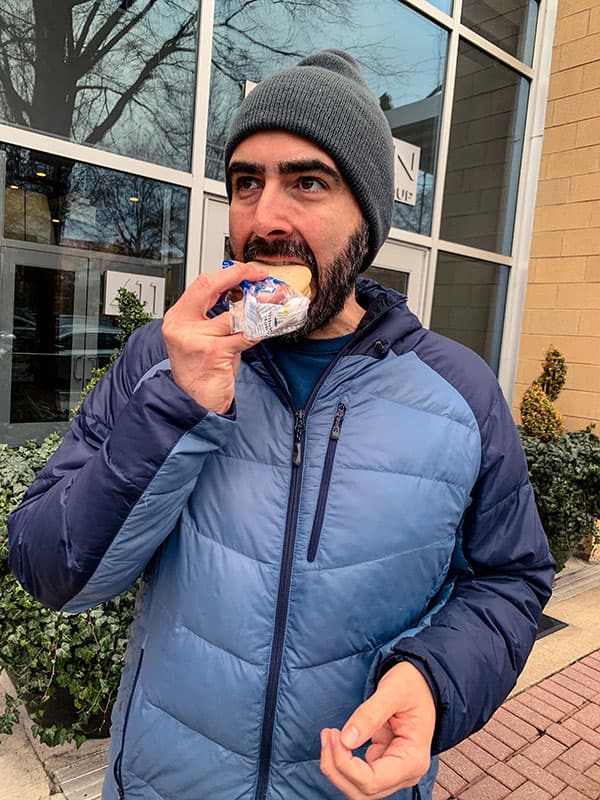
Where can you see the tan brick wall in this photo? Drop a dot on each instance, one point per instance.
(562, 305)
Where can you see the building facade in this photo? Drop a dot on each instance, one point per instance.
(562, 306)
(113, 119)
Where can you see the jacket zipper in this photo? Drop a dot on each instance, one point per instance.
(281, 612)
(117, 768)
(334, 438)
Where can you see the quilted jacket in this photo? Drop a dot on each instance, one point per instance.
(289, 556)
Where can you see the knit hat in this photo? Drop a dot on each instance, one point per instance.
(325, 99)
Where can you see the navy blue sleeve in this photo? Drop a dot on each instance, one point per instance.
(474, 648)
(102, 479)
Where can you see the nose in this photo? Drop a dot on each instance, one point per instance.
(272, 213)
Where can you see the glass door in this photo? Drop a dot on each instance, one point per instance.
(42, 359)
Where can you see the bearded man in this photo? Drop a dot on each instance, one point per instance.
(343, 566)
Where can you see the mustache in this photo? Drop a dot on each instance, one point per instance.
(258, 248)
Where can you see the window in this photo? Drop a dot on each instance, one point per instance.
(468, 303)
(484, 158)
(402, 57)
(118, 75)
(510, 25)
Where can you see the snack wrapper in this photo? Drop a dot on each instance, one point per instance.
(268, 308)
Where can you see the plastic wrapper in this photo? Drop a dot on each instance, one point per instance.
(268, 308)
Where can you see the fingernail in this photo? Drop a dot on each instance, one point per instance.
(351, 737)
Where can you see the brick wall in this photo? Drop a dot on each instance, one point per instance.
(562, 304)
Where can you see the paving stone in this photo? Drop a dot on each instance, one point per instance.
(528, 714)
(551, 698)
(548, 710)
(440, 793)
(575, 686)
(530, 791)
(581, 756)
(506, 735)
(588, 677)
(584, 784)
(506, 775)
(544, 750)
(594, 772)
(591, 661)
(491, 744)
(488, 788)
(477, 754)
(592, 671)
(462, 765)
(544, 779)
(589, 715)
(557, 689)
(560, 733)
(585, 733)
(450, 780)
(568, 794)
(524, 729)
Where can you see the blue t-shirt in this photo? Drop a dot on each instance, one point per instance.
(303, 363)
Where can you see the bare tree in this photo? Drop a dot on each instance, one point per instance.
(98, 72)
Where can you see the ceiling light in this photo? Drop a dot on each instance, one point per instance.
(13, 186)
(54, 219)
(134, 199)
(41, 174)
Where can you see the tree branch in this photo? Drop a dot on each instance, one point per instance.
(169, 47)
(78, 49)
(95, 51)
(17, 105)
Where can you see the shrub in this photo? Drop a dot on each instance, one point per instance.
(539, 418)
(565, 474)
(52, 656)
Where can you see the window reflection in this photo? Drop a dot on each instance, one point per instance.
(119, 76)
(402, 56)
(56, 201)
(68, 228)
(469, 298)
(511, 24)
(484, 157)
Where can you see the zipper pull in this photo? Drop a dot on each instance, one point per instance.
(298, 433)
(337, 422)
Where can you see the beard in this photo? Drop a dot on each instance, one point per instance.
(334, 282)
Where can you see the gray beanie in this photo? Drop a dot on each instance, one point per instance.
(325, 99)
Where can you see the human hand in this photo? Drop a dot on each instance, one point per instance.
(399, 718)
(204, 354)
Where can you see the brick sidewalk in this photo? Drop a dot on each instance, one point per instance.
(543, 743)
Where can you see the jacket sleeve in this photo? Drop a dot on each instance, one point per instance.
(473, 647)
(116, 486)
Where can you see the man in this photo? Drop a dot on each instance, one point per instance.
(343, 563)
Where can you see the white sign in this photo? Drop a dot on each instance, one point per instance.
(406, 171)
(248, 86)
(149, 290)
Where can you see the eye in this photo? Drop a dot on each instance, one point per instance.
(245, 183)
(309, 184)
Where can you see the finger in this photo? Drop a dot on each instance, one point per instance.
(205, 291)
(378, 779)
(368, 718)
(329, 769)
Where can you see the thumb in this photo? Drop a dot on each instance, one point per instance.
(368, 718)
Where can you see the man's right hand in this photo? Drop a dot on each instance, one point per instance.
(204, 354)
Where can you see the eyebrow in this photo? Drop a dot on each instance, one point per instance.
(286, 168)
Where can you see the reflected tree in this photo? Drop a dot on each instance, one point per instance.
(116, 74)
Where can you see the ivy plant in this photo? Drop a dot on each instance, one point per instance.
(66, 668)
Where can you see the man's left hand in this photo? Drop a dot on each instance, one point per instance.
(399, 718)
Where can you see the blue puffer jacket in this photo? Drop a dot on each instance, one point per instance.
(296, 554)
